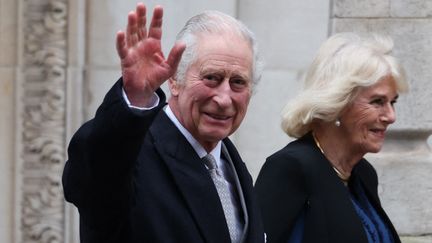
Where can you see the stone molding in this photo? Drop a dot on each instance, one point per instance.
(40, 121)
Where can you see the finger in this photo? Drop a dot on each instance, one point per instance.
(175, 55)
(155, 29)
(121, 44)
(132, 29)
(142, 19)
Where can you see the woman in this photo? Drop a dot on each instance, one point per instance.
(319, 188)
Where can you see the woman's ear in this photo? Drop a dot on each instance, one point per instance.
(173, 86)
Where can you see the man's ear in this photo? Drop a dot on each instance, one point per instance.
(173, 86)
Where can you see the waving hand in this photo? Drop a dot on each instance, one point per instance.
(144, 67)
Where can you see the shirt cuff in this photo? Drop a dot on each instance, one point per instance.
(152, 103)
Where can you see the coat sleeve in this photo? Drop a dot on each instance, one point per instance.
(282, 195)
(101, 156)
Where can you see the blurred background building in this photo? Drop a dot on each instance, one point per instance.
(58, 58)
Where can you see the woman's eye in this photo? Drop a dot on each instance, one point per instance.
(378, 102)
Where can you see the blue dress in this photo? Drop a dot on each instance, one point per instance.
(375, 228)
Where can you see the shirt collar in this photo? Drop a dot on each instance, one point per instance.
(199, 149)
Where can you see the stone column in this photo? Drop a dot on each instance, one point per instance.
(404, 165)
(48, 79)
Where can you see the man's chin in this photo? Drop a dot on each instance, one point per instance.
(215, 136)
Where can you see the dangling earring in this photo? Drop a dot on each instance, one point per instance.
(337, 123)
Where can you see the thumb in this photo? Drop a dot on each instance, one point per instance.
(175, 55)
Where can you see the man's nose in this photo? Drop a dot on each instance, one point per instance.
(223, 94)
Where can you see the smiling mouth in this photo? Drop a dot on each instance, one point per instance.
(378, 132)
(218, 117)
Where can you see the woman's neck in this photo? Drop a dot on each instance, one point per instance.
(337, 149)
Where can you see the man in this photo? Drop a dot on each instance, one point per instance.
(140, 170)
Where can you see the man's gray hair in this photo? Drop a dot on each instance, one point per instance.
(214, 22)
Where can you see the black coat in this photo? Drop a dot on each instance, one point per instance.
(299, 178)
(135, 178)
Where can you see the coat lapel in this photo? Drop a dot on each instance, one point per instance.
(191, 178)
(254, 230)
(239, 191)
(336, 202)
(365, 173)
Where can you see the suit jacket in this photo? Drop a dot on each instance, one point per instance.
(299, 178)
(135, 178)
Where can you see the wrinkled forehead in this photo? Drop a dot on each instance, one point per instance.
(229, 47)
(228, 36)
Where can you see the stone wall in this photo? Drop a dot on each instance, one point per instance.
(8, 62)
(289, 33)
(58, 60)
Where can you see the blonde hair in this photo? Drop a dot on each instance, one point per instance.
(343, 64)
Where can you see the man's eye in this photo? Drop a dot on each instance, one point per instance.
(211, 77)
(239, 84)
(238, 81)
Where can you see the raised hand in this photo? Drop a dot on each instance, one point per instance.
(144, 67)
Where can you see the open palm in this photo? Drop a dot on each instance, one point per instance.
(144, 67)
